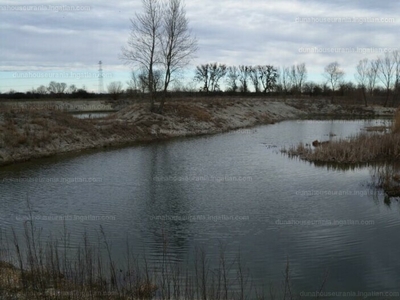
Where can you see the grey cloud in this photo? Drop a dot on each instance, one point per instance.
(228, 31)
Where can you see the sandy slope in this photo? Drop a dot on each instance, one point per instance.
(27, 134)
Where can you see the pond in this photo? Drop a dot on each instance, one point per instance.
(235, 189)
(92, 115)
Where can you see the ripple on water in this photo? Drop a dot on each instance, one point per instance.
(358, 257)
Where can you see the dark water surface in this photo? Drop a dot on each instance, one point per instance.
(236, 189)
(92, 115)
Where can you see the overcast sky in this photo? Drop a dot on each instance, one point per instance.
(45, 38)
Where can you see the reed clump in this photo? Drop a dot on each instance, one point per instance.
(186, 111)
(396, 122)
(386, 177)
(365, 147)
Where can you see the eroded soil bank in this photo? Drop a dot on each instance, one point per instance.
(27, 132)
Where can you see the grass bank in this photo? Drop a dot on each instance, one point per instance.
(28, 132)
(32, 133)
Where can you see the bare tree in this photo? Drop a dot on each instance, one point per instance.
(177, 43)
(160, 37)
(133, 83)
(72, 89)
(210, 75)
(301, 75)
(56, 87)
(143, 81)
(386, 73)
(396, 59)
(297, 76)
(268, 77)
(158, 80)
(244, 72)
(115, 89)
(255, 77)
(202, 75)
(41, 90)
(334, 75)
(362, 77)
(372, 75)
(232, 79)
(144, 43)
(217, 72)
(62, 87)
(284, 79)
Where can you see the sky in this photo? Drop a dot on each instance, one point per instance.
(63, 41)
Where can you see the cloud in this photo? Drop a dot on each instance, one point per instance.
(228, 31)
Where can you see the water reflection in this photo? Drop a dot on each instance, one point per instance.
(92, 115)
(164, 208)
(149, 190)
(386, 177)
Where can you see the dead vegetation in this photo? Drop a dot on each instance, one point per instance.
(52, 269)
(187, 111)
(30, 133)
(396, 123)
(377, 128)
(386, 177)
(362, 148)
(371, 146)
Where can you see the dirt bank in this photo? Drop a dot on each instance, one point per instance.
(72, 105)
(33, 133)
(323, 108)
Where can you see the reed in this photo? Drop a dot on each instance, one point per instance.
(386, 177)
(396, 122)
(32, 267)
(366, 147)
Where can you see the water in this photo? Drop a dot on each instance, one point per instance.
(91, 115)
(236, 189)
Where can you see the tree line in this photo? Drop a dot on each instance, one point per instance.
(372, 77)
(378, 77)
(261, 78)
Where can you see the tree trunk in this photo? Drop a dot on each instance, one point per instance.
(165, 91)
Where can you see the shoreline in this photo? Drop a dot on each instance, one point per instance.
(27, 134)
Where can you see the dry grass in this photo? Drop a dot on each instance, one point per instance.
(186, 111)
(50, 269)
(358, 149)
(396, 123)
(377, 128)
(362, 148)
(387, 178)
(33, 266)
(367, 147)
(37, 129)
